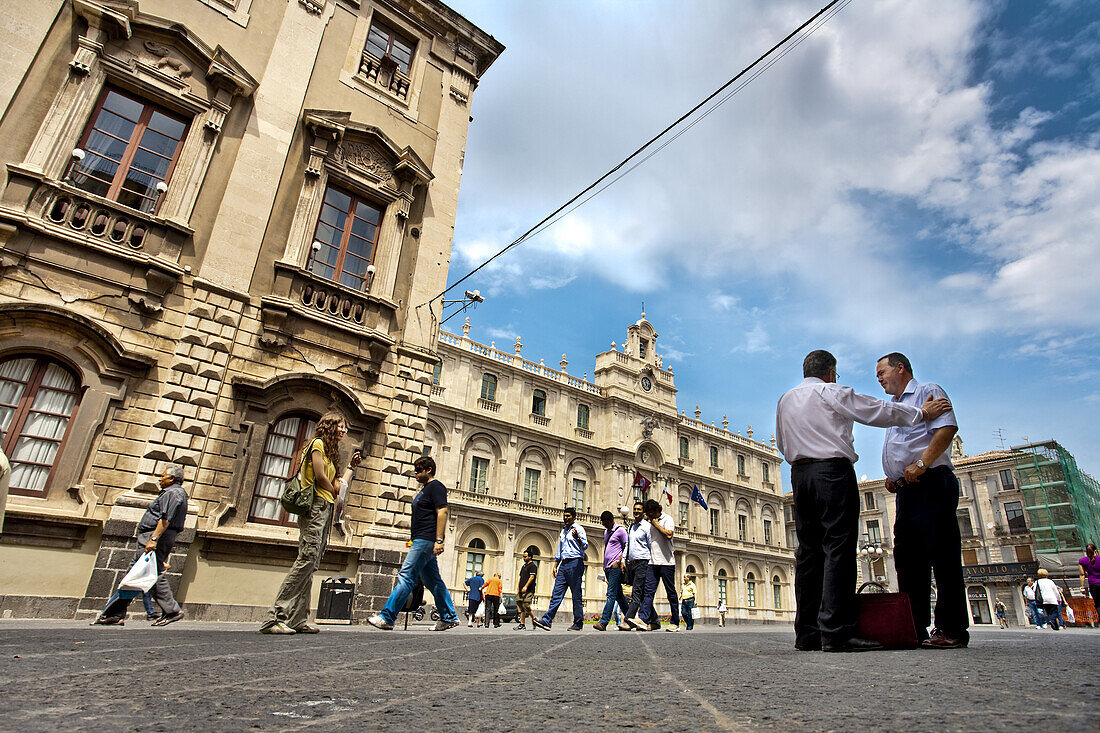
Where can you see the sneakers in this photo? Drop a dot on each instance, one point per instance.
(151, 617)
(109, 621)
(520, 627)
(379, 622)
(625, 627)
(440, 625)
(540, 624)
(169, 618)
(306, 629)
(631, 624)
(278, 628)
(654, 627)
(600, 626)
(940, 640)
(575, 627)
(672, 628)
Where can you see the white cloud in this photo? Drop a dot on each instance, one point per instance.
(782, 187)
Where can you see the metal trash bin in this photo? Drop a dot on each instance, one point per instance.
(334, 603)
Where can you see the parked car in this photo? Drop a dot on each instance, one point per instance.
(509, 611)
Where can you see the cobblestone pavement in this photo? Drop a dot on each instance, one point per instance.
(69, 676)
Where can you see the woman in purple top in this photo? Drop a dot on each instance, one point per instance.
(1090, 573)
(614, 544)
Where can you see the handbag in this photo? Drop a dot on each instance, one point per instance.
(142, 575)
(886, 618)
(297, 498)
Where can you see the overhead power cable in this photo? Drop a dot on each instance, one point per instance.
(824, 14)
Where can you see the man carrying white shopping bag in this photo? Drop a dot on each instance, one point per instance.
(156, 533)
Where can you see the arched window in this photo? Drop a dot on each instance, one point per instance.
(284, 441)
(538, 403)
(723, 586)
(582, 417)
(777, 592)
(750, 590)
(38, 397)
(690, 571)
(489, 387)
(533, 551)
(475, 561)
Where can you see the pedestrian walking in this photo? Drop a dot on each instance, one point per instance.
(492, 592)
(662, 565)
(567, 571)
(318, 462)
(814, 434)
(687, 602)
(474, 584)
(428, 531)
(637, 566)
(1001, 610)
(1089, 568)
(721, 613)
(156, 532)
(525, 590)
(1037, 616)
(927, 540)
(1049, 596)
(614, 546)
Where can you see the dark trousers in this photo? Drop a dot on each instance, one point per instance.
(161, 592)
(492, 610)
(635, 576)
(687, 611)
(1094, 590)
(655, 575)
(826, 503)
(927, 541)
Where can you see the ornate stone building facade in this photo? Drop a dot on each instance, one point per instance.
(217, 219)
(516, 441)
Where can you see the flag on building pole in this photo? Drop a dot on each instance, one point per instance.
(697, 497)
(668, 494)
(641, 482)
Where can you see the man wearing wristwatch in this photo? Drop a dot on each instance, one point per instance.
(926, 529)
(428, 529)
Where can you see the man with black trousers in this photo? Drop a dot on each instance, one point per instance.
(926, 529)
(814, 433)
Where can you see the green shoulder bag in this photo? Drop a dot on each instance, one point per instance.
(297, 498)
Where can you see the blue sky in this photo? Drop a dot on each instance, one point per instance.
(921, 177)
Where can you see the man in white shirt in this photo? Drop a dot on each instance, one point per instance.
(814, 433)
(662, 565)
(637, 565)
(926, 528)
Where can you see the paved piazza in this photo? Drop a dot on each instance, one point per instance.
(59, 675)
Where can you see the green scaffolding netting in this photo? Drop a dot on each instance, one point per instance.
(1061, 501)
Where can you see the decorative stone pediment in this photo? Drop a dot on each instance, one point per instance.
(363, 149)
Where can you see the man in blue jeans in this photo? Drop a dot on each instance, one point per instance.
(568, 568)
(614, 545)
(428, 528)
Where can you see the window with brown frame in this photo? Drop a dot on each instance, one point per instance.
(38, 397)
(130, 147)
(343, 243)
(384, 42)
(284, 441)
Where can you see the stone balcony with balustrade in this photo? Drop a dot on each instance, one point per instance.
(517, 361)
(107, 235)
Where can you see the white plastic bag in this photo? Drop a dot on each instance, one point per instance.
(143, 575)
(480, 612)
(1069, 614)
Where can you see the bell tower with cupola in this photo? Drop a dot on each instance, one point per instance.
(636, 373)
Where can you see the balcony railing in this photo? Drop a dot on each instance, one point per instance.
(540, 420)
(583, 433)
(515, 360)
(725, 434)
(489, 405)
(385, 75)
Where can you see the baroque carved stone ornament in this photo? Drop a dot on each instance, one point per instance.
(366, 157)
(649, 424)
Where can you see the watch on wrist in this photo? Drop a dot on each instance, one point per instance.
(920, 464)
(439, 540)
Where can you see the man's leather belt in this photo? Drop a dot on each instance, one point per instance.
(808, 461)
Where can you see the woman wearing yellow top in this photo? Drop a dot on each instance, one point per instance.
(321, 457)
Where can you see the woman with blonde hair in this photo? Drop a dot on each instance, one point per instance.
(317, 465)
